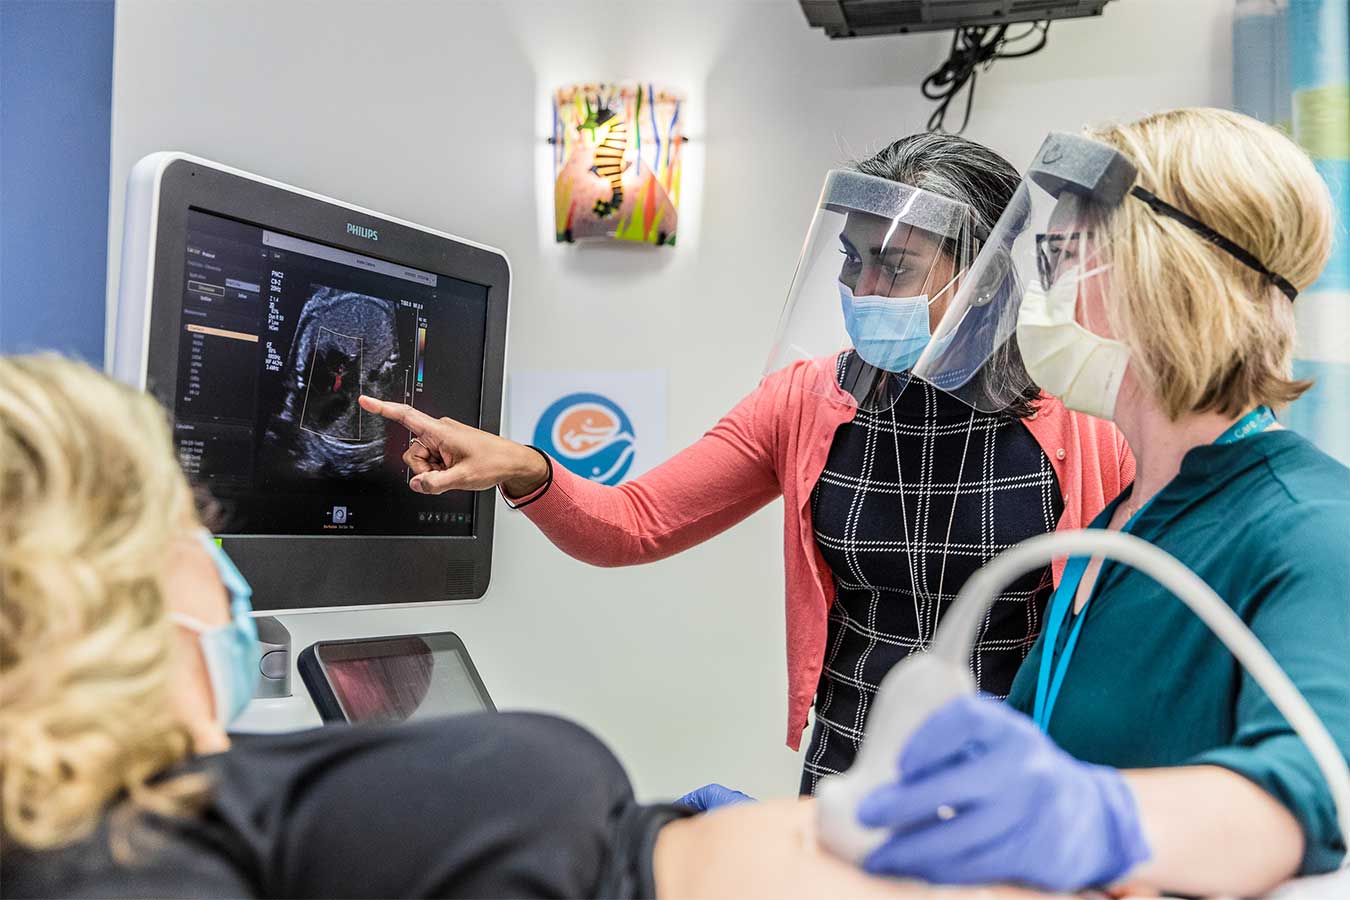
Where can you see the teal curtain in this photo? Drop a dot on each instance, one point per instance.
(1291, 67)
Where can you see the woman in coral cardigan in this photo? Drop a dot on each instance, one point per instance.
(895, 492)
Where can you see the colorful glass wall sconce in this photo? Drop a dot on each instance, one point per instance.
(617, 152)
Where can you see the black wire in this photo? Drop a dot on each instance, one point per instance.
(1033, 28)
(1042, 27)
(970, 50)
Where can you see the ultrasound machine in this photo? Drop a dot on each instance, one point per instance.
(258, 313)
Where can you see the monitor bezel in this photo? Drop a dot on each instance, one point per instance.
(346, 571)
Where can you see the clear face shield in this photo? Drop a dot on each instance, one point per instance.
(881, 263)
(1025, 283)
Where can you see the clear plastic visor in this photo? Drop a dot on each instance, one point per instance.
(882, 261)
(1050, 233)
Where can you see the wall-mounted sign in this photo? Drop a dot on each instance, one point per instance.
(605, 426)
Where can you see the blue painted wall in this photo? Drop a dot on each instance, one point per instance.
(55, 133)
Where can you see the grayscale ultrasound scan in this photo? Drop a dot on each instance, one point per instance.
(346, 344)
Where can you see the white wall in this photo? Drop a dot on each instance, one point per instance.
(436, 111)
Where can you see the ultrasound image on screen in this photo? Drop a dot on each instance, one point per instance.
(346, 344)
(280, 337)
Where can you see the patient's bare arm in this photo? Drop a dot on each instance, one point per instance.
(1214, 832)
(769, 850)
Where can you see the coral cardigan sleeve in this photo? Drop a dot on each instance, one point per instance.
(1126, 456)
(1091, 459)
(702, 491)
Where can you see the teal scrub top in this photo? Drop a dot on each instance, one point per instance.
(1266, 523)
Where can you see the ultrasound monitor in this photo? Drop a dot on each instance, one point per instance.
(258, 313)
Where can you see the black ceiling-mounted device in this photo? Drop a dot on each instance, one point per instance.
(860, 18)
(980, 34)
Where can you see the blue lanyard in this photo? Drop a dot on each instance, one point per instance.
(1256, 421)
(1049, 682)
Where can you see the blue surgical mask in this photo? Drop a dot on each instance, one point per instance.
(887, 332)
(231, 651)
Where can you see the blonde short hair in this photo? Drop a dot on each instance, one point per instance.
(1205, 332)
(91, 497)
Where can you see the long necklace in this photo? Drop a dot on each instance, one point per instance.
(921, 621)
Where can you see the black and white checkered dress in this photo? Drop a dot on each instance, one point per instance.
(900, 557)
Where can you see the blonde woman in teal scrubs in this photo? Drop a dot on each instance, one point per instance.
(1156, 268)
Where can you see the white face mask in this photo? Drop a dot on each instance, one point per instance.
(1084, 370)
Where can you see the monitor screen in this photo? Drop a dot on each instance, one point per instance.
(401, 679)
(279, 336)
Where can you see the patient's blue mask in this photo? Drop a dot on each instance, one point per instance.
(887, 332)
(231, 651)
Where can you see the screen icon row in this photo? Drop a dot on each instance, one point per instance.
(442, 517)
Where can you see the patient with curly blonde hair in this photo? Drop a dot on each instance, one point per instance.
(119, 778)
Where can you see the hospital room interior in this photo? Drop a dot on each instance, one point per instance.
(675, 448)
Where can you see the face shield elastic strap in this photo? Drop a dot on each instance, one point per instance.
(1163, 208)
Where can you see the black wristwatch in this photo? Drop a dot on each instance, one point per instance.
(539, 491)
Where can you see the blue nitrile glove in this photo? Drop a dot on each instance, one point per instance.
(711, 796)
(984, 797)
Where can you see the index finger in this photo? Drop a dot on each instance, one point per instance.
(414, 420)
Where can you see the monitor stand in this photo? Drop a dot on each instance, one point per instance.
(276, 659)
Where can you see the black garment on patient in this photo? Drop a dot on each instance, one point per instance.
(484, 805)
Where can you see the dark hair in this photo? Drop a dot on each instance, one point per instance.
(960, 169)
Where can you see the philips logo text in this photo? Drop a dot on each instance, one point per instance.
(361, 231)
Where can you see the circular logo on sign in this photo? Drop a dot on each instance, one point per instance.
(590, 435)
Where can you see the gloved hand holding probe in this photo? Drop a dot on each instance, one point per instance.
(984, 797)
